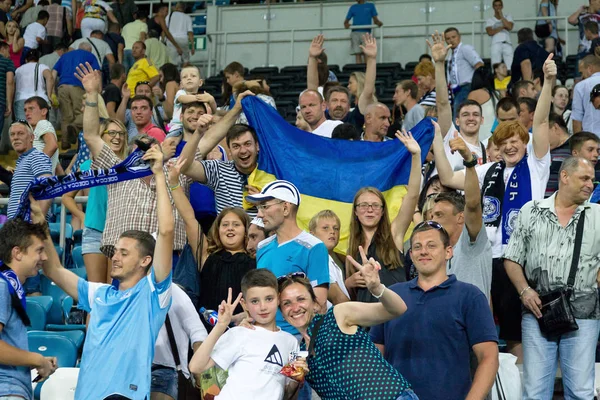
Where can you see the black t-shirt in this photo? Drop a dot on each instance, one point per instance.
(3, 18)
(113, 40)
(112, 93)
(527, 51)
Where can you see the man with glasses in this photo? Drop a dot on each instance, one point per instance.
(290, 249)
(441, 310)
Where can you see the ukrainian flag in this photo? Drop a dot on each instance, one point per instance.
(329, 172)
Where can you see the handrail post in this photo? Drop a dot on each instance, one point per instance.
(292, 47)
(567, 38)
(473, 34)
(63, 225)
(225, 48)
(381, 47)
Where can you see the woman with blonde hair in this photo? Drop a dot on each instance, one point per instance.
(15, 42)
(356, 84)
(114, 134)
(371, 228)
(226, 260)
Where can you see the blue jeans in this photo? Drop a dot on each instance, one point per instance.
(576, 352)
(460, 95)
(164, 380)
(408, 395)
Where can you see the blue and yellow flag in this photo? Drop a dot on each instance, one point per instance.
(329, 172)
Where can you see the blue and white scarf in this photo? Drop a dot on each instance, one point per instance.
(16, 291)
(595, 194)
(44, 188)
(502, 202)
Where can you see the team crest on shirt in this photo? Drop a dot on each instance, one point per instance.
(491, 209)
(511, 220)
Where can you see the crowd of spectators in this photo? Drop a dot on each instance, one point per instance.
(488, 230)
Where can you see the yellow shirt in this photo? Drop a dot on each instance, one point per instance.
(501, 84)
(142, 70)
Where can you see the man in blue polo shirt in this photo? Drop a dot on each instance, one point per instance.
(446, 319)
(125, 322)
(290, 250)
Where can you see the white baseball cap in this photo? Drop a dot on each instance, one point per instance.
(258, 222)
(280, 190)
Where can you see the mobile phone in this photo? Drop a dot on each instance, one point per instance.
(37, 379)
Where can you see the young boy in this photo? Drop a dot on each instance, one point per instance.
(253, 357)
(190, 84)
(35, 34)
(325, 225)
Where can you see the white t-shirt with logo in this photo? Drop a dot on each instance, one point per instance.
(253, 359)
(539, 171)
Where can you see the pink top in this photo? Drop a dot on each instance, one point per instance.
(155, 132)
(15, 57)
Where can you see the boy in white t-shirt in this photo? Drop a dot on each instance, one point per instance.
(190, 83)
(35, 34)
(253, 357)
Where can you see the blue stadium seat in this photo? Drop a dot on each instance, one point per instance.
(77, 237)
(77, 257)
(53, 344)
(38, 308)
(199, 25)
(222, 2)
(66, 305)
(49, 288)
(59, 251)
(55, 232)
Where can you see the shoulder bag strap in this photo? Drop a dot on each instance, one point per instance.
(173, 343)
(36, 76)
(159, 118)
(313, 336)
(483, 152)
(97, 52)
(576, 251)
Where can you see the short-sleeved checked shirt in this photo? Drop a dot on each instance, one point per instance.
(54, 27)
(132, 205)
(6, 66)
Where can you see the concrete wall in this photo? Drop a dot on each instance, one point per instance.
(402, 44)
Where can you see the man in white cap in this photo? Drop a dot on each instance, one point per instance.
(290, 250)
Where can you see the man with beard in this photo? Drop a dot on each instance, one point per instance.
(228, 179)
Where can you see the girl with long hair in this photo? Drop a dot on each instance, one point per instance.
(371, 229)
(15, 42)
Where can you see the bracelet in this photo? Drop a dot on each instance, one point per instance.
(90, 104)
(171, 188)
(381, 294)
(523, 291)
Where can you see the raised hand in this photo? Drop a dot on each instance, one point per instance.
(90, 79)
(438, 47)
(155, 156)
(458, 144)
(157, 91)
(37, 216)
(240, 97)
(549, 67)
(316, 46)
(226, 309)
(369, 270)
(125, 91)
(204, 122)
(174, 169)
(409, 142)
(436, 127)
(369, 48)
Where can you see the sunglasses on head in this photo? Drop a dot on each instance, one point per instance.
(291, 276)
(142, 83)
(594, 93)
(431, 224)
(23, 122)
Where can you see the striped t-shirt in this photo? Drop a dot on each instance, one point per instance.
(228, 184)
(30, 165)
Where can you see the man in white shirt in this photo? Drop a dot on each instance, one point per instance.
(180, 26)
(45, 140)
(186, 328)
(100, 48)
(312, 108)
(35, 34)
(499, 27)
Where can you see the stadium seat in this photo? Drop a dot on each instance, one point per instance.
(199, 25)
(38, 308)
(294, 70)
(66, 306)
(55, 231)
(222, 2)
(334, 68)
(53, 344)
(354, 68)
(410, 67)
(267, 71)
(77, 257)
(60, 385)
(77, 237)
(49, 288)
(59, 251)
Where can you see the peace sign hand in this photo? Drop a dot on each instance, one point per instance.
(369, 270)
(226, 309)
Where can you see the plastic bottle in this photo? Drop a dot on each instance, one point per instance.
(210, 316)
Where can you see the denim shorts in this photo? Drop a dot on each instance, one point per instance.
(90, 241)
(164, 380)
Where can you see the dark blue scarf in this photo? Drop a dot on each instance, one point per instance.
(16, 291)
(133, 167)
(503, 202)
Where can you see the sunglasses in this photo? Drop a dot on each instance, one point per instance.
(292, 276)
(23, 122)
(431, 224)
(142, 83)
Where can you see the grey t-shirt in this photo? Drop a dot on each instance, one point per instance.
(472, 261)
(413, 117)
(14, 381)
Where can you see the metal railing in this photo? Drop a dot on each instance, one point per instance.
(212, 51)
(62, 219)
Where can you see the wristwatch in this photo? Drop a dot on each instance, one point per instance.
(472, 163)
